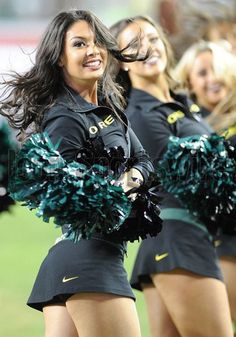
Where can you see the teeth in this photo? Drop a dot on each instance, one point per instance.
(215, 87)
(93, 64)
(152, 60)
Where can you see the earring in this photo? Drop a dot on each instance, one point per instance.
(126, 69)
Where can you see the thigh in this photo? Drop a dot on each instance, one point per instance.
(105, 315)
(161, 324)
(58, 322)
(197, 305)
(228, 267)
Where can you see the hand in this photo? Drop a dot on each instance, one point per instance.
(129, 180)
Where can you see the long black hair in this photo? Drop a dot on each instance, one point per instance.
(29, 95)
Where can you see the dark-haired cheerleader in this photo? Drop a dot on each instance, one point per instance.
(178, 270)
(82, 286)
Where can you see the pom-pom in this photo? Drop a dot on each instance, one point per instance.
(7, 146)
(95, 152)
(200, 172)
(144, 218)
(85, 197)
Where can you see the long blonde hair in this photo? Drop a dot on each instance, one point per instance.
(224, 114)
(224, 67)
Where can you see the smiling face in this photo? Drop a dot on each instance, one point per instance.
(157, 61)
(209, 90)
(82, 61)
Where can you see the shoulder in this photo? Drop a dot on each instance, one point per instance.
(59, 113)
(187, 102)
(142, 106)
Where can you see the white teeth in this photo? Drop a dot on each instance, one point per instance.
(152, 60)
(215, 87)
(92, 64)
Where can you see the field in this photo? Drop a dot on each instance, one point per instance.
(24, 242)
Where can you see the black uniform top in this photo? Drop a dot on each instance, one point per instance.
(73, 121)
(154, 122)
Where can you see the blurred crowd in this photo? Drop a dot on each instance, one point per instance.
(188, 21)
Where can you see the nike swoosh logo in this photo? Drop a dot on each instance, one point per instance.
(67, 279)
(160, 257)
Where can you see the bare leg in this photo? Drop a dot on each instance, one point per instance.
(58, 322)
(228, 267)
(161, 324)
(197, 305)
(103, 315)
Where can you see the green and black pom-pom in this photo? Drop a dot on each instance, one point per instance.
(201, 172)
(85, 197)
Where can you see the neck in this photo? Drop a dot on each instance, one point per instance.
(90, 94)
(87, 91)
(208, 107)
(157, 87)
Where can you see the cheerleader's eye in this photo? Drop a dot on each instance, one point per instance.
(79, 44)
(202, 72)
(154, 39)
